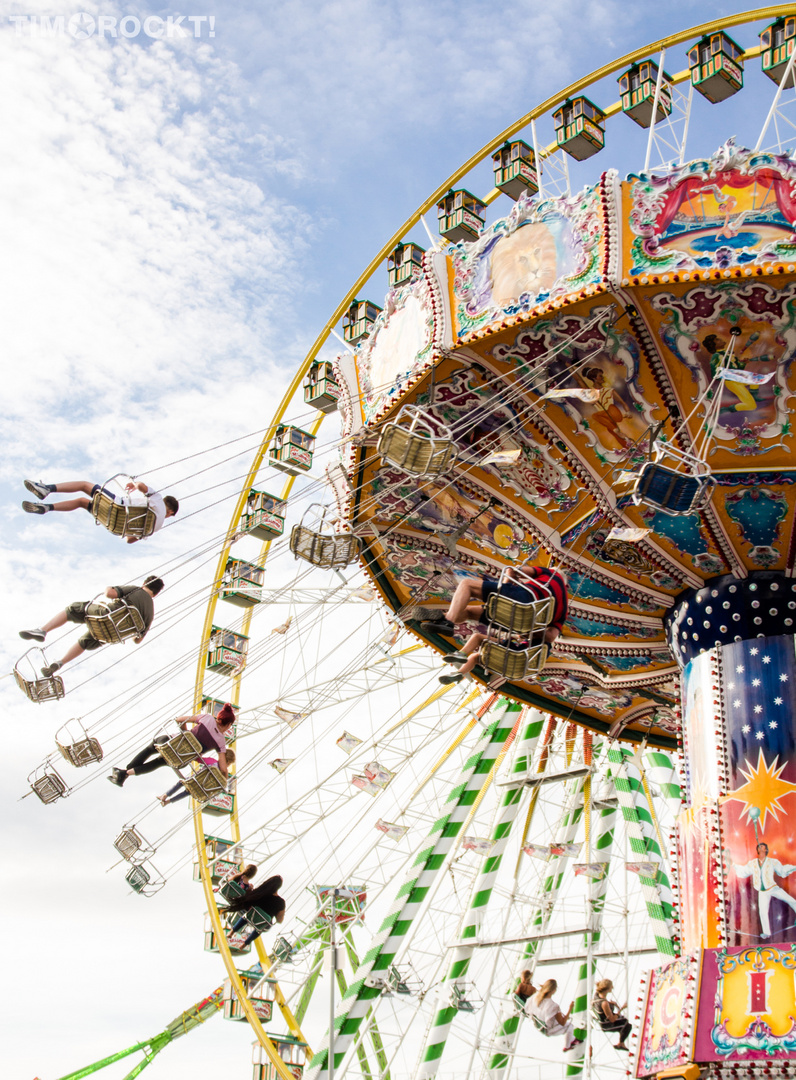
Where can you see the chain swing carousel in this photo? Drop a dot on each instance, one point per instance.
(599, 384)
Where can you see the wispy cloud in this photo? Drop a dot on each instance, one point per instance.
(142, 264)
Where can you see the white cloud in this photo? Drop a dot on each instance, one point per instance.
(141, 263)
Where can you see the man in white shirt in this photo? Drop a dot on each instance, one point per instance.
(762, 870)
(138, 494)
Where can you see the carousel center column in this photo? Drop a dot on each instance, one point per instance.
(728, 1002)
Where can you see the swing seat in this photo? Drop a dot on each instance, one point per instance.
(513, 664)
(282, 951)
(35, 689)
(330, 552)
(205, 783)
(49, 787)
(412, 444)
(114, 622)
(459, 1001)
(38, 690)
(82, 752)
(141, 881)
(136, 521)
(181, 750)
(130, 843)
(674, 493)
(137, 878)
(539, 1024)
(257, 919)
(396, 982)
(519, 617)
(230, 890)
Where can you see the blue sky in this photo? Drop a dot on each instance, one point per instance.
(179, 218)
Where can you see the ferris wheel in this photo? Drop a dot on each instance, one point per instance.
(513, 796)
(513, 400)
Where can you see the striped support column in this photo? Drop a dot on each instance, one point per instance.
(644, 847)
(662, 773)
(506, 1034)
(427, 864)
(438, 1034)
(601, 852)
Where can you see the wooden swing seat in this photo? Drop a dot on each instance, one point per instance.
(181, 750)
(411, 444)
(513, 664)
(329, 552)
(121, 520)
(114, 622)
(205, 783)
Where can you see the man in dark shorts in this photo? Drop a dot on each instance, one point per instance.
(472, 594)
(138, 596)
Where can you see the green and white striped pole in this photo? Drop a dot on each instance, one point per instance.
(600, 852)
(482, 893)
(662, 773)
(506, 1036)
(645, 848)
(428, 863)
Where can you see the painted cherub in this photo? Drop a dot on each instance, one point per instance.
(608, 413)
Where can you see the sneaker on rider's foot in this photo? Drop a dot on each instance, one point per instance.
(41, 491)
(118, 777)
(455, 658)
(37, 508)
(32, 635)
(438, 626)
(51, 669)
(446, 680)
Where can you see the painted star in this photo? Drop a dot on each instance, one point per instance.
(773, 725)
(766, 659)
(754, 652)
(755, 682)
(783, 678)
(730, 685)
(746, 729)
(737, 703)
(763, 788)
(777, 700)
(758, 708)
(759, 735)
(739, 669)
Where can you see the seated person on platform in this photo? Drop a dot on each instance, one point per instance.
(138, 596)
(179, 791)
(526, 988)
(547, 1014)
(472, 594)
(163, 506)
(608, 1014)
(244, 876)
(264, 897)
(469, 655)
(210, 732)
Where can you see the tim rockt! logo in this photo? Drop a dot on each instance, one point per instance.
(82, 25)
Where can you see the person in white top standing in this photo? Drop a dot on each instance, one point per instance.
(138, 494)
(762, 870)
(547, 1015)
